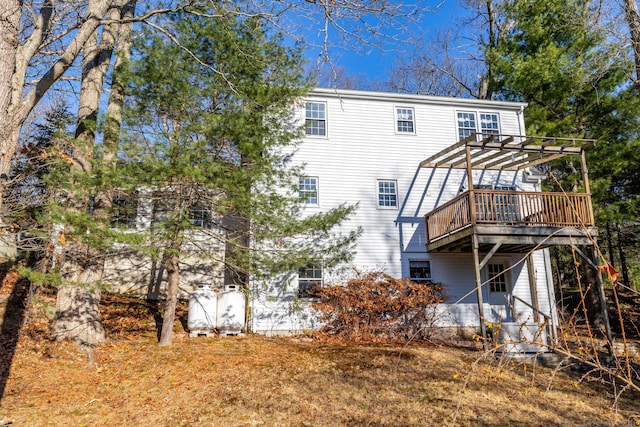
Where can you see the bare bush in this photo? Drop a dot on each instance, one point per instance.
(375, 307)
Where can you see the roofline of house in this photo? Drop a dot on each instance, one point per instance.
(419, 99)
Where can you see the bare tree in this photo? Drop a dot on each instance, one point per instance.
(24, 35)
(633, 20)
(77, 311)
(453, 62)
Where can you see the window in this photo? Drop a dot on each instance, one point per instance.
(124, 209)
(308, 190)
(466, 124)
(420, 271)
(404, 120)
(165, 211)
(387, 194)
(309, 277)
(316, 118)
(200, 216)
(489, 124)
(162, 208)
(497, 278)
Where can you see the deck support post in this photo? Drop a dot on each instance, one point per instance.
(472, 197)
(587, 187)
(476, 269)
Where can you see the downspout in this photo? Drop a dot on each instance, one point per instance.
(521, 120)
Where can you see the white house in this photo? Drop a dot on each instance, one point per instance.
(404, 160)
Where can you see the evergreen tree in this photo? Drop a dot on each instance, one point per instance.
(558, 58)
(211, 122)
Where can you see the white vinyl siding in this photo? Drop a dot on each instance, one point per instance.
(365, 147)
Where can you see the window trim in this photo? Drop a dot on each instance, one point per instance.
(303, 200)
(502, 277)
(396, 194)
(412, 121)
(307, 119)
(477, 114)
(201, 216)
(490, 131)
(304, 294)
(423, 279)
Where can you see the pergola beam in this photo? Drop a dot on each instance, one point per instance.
(493, 150)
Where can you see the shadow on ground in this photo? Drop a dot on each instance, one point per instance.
(13, 305)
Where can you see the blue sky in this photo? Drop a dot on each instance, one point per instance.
(375, 61)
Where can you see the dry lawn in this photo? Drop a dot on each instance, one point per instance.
(246, 381)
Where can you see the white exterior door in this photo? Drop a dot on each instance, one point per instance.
(499, 292)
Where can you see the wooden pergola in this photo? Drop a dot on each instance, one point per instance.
(488, 220)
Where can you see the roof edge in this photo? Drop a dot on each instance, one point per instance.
(422, 99)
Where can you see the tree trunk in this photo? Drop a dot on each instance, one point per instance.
(631, 15)
(623, 259)
(104, 195)
(10, 12)
(83, 265)
(171, 263)
(610, 243)
(592, 295)
(77, 316)
(486, 85)
(15, 105)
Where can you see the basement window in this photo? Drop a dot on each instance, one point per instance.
(420, 271)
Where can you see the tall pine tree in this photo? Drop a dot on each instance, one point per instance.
(557, 56)
(211, 124)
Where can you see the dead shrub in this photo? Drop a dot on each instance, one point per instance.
(377, 307)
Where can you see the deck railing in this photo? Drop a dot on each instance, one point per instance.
(499, 207)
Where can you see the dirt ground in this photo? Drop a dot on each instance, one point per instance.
(253, 380)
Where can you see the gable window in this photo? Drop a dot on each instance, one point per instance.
(308, 190)
(316, 118)
(489, 124)
(497, 278)
(309, 277)
(466, 124)
(124, 209)
(387, 194)
(420, 271)
(404, 120)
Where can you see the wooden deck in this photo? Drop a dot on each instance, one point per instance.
(519, 220)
